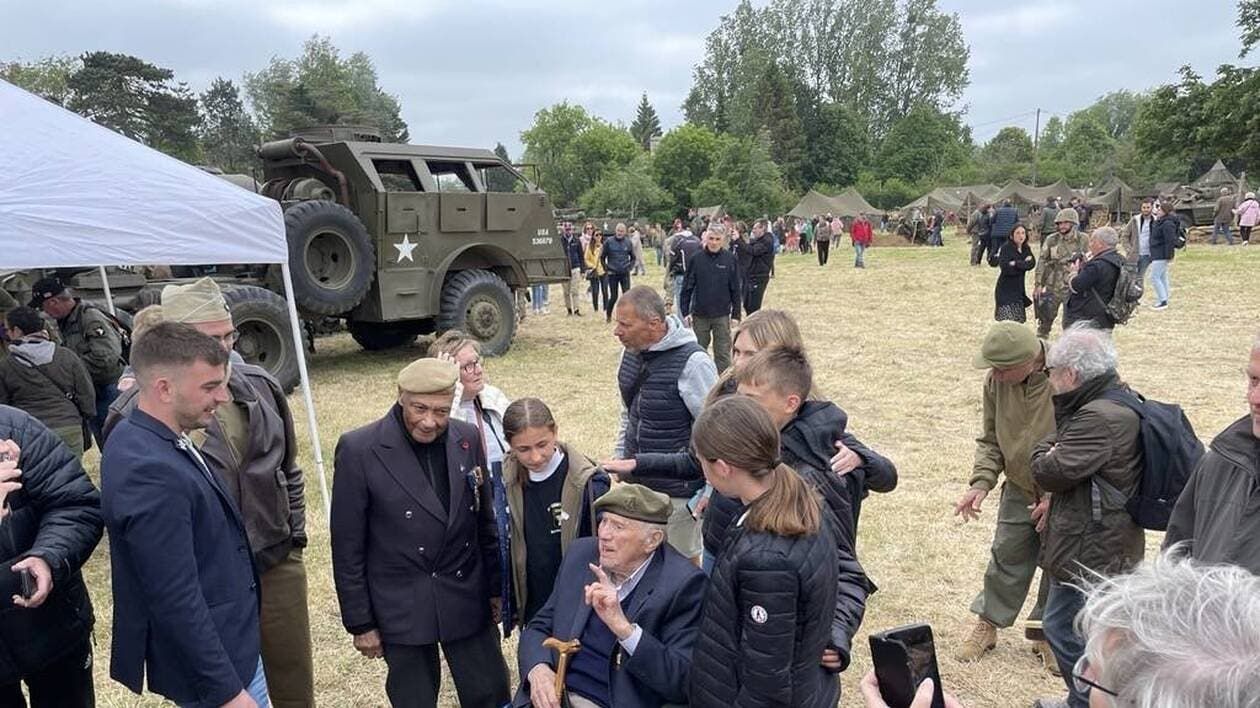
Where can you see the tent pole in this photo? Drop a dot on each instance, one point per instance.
(109, 295)
(295, 323)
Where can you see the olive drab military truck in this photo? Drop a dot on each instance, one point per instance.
(401, 240)
(393, 240)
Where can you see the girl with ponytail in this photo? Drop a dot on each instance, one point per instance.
(768, 610)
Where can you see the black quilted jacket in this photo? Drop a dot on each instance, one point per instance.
(764, 626)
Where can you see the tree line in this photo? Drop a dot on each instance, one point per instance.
(794, 95)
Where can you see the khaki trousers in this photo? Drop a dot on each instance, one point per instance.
(718, 329)
(286, 634)
(573, 289)
(1012, 562)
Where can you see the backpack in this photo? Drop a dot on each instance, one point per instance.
(686, 249)
(1124, 299)
(1181, 235)
(121, 328)
(1170, 452)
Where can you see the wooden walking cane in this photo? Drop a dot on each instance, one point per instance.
(564, 649)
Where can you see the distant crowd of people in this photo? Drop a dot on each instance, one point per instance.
(711, 560)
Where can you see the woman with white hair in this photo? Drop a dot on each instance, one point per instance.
(1248, 216)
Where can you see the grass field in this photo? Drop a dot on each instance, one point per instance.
(893, 346)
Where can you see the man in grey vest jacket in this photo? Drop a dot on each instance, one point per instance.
(663, 379)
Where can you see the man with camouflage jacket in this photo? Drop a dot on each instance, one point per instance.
(88, 332)
(1054, 269)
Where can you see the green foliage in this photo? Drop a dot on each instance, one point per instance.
(887, 194)
(774, 111)
(628, 189)
(573, 150)
(684, 158)
(48, 78)
(1009, 145)
(1051, 134)
(840, 148)
(1249, 23)
(646, 124)
(227, 133)
(745, 179)
(319, 87)
(138, 99)
(500, 180)
(1116, 112)
(922, 144)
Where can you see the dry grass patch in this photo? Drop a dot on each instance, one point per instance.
(892, 345)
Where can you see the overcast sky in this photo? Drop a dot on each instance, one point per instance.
(473, 72)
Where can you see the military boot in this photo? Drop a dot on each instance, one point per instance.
(983, 637)
(1043, 650)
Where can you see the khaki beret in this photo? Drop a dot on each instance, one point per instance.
(428, 375)
(635, 501)
(196, 302)
(1007, 344)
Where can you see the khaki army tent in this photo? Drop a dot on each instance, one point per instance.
(1218, 176)
(939, 198)
(811, 205)
(76, 194)
(851, 203)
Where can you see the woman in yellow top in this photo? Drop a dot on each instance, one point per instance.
(595, 269)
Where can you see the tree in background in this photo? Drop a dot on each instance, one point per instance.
(227, 132)
(137, 99)
(646, 124)
(573, 150)
(500, 180)
(1249, 23)
(628, 189)
(1051, 134)
(48, 78)
(319, 87)
(745, 179)
(922, 144)
(840, 148)
(684, 158)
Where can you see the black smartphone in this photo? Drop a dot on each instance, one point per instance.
(27, 582)
(903, 658)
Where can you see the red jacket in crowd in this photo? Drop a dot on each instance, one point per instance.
(862, 232)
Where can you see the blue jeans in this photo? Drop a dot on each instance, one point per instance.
(1144, 262)
(860, 250)
(1063, 603)
(1159, 278)
(105, 395)
(257, 688)
(678, 283)
(1218, 229)
(538, 294)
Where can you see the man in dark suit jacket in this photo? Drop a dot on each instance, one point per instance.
(185, 588)
(632, 601)
(414, 547)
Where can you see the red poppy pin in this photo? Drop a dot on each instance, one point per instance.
(463, 444)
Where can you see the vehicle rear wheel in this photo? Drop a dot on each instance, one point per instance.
(375, 336)
(331, 256)
(479, 303)
(265, 339)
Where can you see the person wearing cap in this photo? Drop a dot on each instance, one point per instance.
(1017, 414)
(414, 547)
(632, 601)
(251, 447)
(88, 332)
(1054, 268)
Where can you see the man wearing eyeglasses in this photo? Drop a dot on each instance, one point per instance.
(251, 446)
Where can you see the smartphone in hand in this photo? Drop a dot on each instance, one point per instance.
(903, 658)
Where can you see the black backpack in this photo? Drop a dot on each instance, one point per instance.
(1170, 452)
(1126, 296)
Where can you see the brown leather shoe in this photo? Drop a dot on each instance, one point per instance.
(1047, 657)
(983, 637)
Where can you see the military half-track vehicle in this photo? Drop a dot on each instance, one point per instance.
(392, 240)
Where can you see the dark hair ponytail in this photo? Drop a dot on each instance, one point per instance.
(525, 413)
(737, 430)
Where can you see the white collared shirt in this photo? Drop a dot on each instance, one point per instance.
(631, 642)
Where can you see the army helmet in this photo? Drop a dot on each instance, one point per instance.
(1069, 214)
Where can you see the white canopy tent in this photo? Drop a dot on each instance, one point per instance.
(77, 194)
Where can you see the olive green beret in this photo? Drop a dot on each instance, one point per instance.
(201, 301)
(635, 501)
(428, 375)
(1007, 344)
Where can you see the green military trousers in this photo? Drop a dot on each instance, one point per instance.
(1012, 562)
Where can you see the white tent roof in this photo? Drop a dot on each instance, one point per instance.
(75, 193)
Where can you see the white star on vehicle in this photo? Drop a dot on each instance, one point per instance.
(405, 248)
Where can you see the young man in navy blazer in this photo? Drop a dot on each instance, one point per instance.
(185, 588)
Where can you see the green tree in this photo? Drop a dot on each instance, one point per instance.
(628, 189)
(1116, 112)
(500, 180)
(137, 99)
(1051, 135)
(840, 148)
(646, 124)
(319, 87)
(1087, 148)
(684, 158)
(48, 78)
(1249, 23)
(227, 132)
(922, 144)
(573, 150)
(600, 148)
(1010, 145)
(774, 111)
(745, 179)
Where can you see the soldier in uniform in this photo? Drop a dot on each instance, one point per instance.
(88, 332)
(414, 547)
(1054, 269)
(251, 447)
